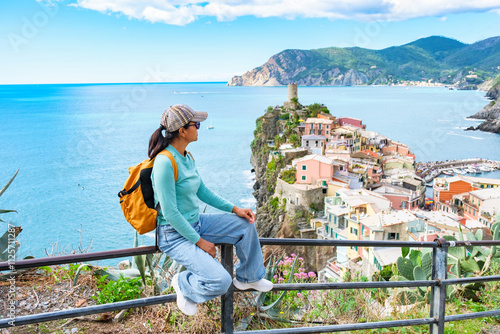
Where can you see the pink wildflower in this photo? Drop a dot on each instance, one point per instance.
(275, 276)
(311, 274)
(299, 295)
(301, 259)
(280, 279)
(285, 272)
(324, 294)
(296, 275)
(301, 270)
(303, 275)
(293, 255)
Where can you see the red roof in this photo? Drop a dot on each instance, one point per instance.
(371, 153)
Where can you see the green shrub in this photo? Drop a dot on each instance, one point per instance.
(289, 176)
(274, 203)
(271, 166)
(117, 291)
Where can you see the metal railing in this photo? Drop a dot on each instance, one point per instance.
(438, 284)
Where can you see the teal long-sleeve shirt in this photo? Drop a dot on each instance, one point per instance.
(179, 200)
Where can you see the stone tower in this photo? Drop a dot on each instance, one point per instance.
(292, 91)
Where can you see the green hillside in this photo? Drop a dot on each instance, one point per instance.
(435, 58)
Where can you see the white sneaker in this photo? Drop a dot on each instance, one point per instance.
(263, 285)
(187, 307)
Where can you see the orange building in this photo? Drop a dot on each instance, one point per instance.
(445, 188)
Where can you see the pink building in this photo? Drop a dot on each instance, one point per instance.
(397, 148)
(313, 169)
(319, 126)
(374, 174)
(351, 121)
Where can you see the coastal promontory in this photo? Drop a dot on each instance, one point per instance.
(432, 60)
(491, 112)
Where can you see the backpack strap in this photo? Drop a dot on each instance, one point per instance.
(172, 160)
(176, 175)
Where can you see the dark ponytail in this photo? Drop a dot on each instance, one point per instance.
(158, 142)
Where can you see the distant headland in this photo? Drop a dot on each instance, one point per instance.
(431, 61)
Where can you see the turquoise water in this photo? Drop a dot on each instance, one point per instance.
(73, 145)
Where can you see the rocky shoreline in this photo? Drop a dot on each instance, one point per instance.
(490, 113)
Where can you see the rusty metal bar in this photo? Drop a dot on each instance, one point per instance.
(75, 258)
(227, 298)
(438, 292)
(77, 312)
(345, 328)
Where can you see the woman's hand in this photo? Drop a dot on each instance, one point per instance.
(207, 246)
(245, 213)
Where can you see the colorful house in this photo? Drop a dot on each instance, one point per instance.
(323, 115)
(315, 143)
(404, 196)
(314, 169)
(319, 126)
(395, 148)
(372, 141)
(445, 188)
(347, 136)
(351, 121)
(345, 210)
(482, 203)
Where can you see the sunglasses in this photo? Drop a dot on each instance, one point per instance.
(197, 124)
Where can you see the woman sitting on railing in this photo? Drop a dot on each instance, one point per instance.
(187, 236)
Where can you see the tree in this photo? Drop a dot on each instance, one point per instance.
(316, 108)
(294, 139)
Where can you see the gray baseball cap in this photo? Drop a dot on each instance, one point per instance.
(176, 116)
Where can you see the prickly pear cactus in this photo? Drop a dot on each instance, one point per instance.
(405, 268)
(427, 265)
(495, 233)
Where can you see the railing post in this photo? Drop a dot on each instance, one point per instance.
(227, 299)
(438, 292)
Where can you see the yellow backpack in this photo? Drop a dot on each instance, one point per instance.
(137, 196)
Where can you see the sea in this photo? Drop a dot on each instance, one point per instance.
(73, 144)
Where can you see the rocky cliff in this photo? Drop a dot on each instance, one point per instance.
(491, 112)
(267, 127)
(274, 221)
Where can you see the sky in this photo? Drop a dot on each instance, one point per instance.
(111, 41)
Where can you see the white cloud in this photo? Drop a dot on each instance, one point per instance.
(182, 12)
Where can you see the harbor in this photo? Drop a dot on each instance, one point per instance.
(430, 170)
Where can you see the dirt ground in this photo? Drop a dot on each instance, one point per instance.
(37, 293)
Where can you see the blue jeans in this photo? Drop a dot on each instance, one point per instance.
(205, 278)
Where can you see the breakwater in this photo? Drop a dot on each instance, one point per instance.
(431, 169)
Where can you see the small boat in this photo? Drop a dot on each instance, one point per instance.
(210, 126)
(470, 170)
(447, 172)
